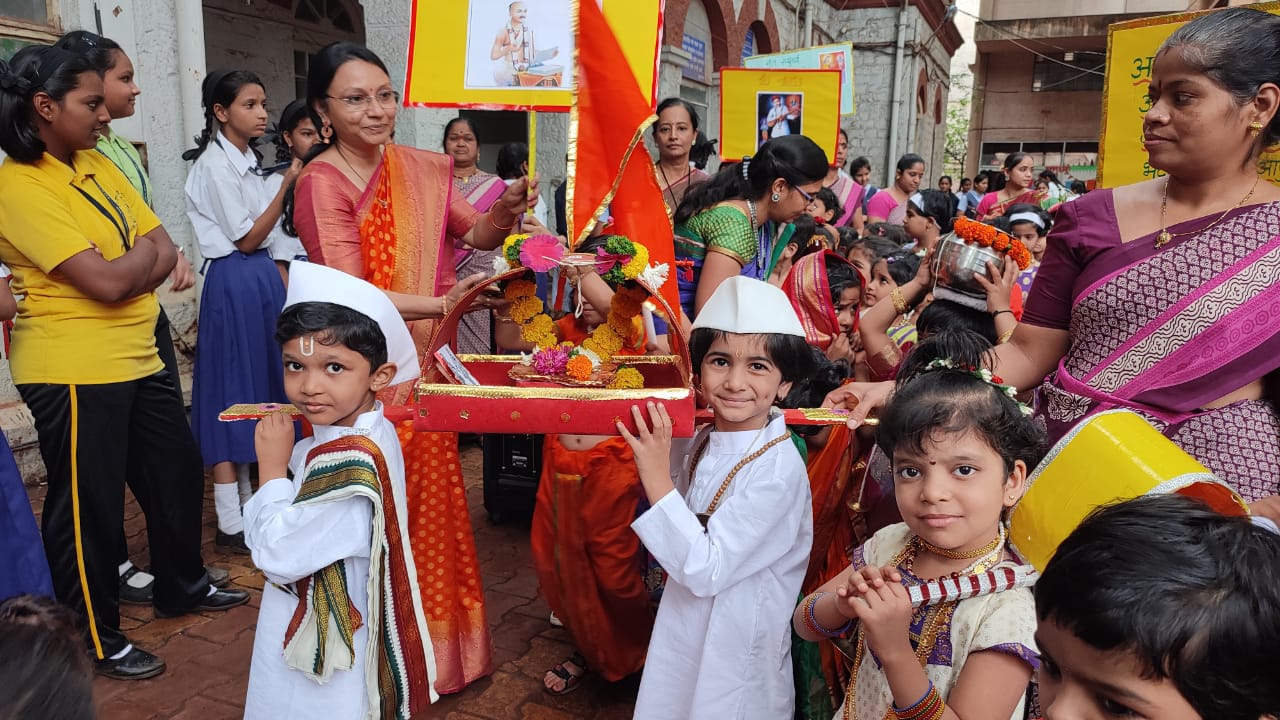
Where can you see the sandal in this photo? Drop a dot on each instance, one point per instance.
(565, 673)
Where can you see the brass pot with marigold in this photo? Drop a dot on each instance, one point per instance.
(964, 254)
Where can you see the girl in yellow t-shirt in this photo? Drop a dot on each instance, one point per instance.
(87, 254)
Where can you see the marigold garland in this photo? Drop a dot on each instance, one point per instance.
(627, 378)
(526, 309)
(972, 231)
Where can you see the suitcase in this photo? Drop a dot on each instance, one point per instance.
(512, 466)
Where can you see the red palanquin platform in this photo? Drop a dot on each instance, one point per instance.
(498, 405)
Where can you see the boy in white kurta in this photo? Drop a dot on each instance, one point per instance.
(721, 645)
(334, 535)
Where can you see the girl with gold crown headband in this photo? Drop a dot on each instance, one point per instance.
(962, 447)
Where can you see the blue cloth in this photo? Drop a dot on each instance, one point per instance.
(237, 358)
(23, 568)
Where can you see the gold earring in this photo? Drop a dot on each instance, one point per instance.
(1255, 129)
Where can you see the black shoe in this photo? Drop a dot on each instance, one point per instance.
(131, 595)
(137, 664)
(219, 600)
(231, 543)
(218, 577)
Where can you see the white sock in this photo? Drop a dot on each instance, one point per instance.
(122, 653)
(242, 482)
(226, 499)
(140, 579)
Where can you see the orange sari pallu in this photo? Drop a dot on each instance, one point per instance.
(393, 234)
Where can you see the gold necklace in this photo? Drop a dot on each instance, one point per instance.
(954, 555)
(1165, 236)
(363, 181)
(936, 616)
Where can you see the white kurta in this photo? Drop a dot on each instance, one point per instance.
(721, 645)
(290, 543)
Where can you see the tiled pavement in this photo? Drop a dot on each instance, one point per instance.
(208, 654)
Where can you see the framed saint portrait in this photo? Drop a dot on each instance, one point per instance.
(516, 54)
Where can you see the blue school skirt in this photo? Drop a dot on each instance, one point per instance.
(23, 567)
(237, 358)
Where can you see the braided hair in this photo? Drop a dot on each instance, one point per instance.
(219, 88)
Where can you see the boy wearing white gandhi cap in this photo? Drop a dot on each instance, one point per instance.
(731, 519)
(340, 611)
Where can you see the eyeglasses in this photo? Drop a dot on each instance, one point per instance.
(808, 198)
(385, 98)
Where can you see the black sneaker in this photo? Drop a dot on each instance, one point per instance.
(131, 595)
(219, 600)
(137, 664)
(231, 543)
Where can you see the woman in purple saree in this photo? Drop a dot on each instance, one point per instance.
(482, 190)
(1163, 297)
(1169, 333)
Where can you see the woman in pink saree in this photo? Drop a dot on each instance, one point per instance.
(389, 213)
(847, 191)
(1163, 297)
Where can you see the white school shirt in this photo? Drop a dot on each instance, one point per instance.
(224, 198)
(284, 247)
(290, 543)
(721, 645)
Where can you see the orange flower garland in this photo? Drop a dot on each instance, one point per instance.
(987, 236)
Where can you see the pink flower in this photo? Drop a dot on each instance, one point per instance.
(540, 253)
(551, 360)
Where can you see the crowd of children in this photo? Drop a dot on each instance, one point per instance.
(754, 570)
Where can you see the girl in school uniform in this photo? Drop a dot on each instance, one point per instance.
(233, 214)
(295, 137)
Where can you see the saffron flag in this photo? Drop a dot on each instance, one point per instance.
(609, 167)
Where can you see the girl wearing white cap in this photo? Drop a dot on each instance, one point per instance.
(731, 519)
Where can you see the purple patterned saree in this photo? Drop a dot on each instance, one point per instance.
(1167, 331)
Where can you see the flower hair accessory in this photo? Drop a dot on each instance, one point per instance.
(972, 231)
(983, 374)
(746, 163)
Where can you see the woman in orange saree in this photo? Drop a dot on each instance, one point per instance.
(388, 213)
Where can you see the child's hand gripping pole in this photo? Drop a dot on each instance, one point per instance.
(652, 448)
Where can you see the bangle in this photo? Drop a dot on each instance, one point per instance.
(496, 226)
(444, 306)
(996, 313)
(811, 620)
(928, 707)
(899, 302)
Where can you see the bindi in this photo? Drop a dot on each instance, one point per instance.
(307, 345)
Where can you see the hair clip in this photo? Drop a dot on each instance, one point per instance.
(983, 374)
(746, 163)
